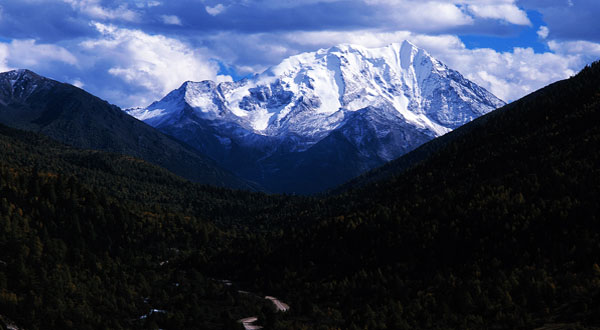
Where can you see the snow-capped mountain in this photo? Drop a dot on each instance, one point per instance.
(320, 118)
(19, 84)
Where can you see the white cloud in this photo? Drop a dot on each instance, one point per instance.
(154, 64)
(171, 19)
(3, 58)
(508, 12)
(432, 15)
(422, 15)
(437, 15)
(215, 10)
(78, 83)
(28, 54)
(148, 4)
(93, 9)
(511, 75)
(581, 47)
(543, 32)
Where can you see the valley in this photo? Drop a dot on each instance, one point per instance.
(299, 165)
(493, 227)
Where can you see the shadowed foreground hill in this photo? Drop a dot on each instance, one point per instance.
(498, 228)
(85, 236)
(75, 117)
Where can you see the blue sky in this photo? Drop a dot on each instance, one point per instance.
(134, 52)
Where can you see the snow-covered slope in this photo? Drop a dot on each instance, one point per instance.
(380, 103)
(20, 84)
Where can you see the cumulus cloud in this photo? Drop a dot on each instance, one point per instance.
(508, 12)
(582, 47)
(154, 64)
(215, 10)
(436, 14)
(511, 75)
(543, 32)
(29, 54)
(422, 15)
(171, 19)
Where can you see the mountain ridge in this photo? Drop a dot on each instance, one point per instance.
(384, 102)
(75, 117)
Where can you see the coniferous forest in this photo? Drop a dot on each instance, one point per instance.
(493, 226)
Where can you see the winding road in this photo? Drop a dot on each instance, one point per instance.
(281, 307)
(248, 322)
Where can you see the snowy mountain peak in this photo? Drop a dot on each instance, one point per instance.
(20, 84)
(20, 74)
(408, 52)
(342, 78)
(390, 95)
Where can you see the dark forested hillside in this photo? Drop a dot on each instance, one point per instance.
(93, 240)
(75, 117)
(497, 228)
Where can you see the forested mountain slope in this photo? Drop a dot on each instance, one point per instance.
(73, 116)
(93, 240)
(497, 229)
